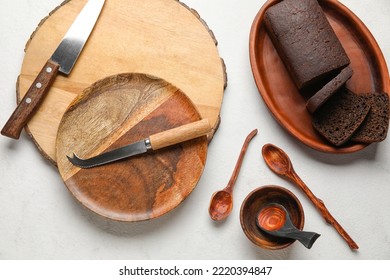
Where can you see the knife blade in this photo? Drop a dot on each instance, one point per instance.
(62, 60)
(154, 142)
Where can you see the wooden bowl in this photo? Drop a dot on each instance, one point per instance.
(257, 199)
(281, 95)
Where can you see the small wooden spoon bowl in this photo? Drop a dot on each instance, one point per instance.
(255, 201)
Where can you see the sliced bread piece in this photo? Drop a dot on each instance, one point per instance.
(320, 97)
(341, 116)
(376, 125)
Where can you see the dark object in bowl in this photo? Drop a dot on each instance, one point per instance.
(275, 220)
(261, 197)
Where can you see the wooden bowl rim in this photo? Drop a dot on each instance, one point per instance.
(281, 190)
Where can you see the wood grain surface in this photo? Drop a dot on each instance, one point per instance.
(163, 38)
(117, 111)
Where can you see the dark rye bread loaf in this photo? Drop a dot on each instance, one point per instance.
(320, 97)
(376, 125)
(305, 41)
(341, 116)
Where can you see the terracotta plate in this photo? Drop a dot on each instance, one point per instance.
(114, 112)
(281, 95)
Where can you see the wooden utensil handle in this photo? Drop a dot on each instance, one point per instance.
(31, 101)
(180, 134)
(332, 221)
(320, 205)
(233, 178)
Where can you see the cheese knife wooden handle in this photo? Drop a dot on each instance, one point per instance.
(179, 134)
(31, 101)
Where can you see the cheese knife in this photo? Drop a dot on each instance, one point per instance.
(154, 142)
(62, 60)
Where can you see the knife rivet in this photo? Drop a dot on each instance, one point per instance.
(38, 85)
(49, 69)
(28, 100)
(148, 144)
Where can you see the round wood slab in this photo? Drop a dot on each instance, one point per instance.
(115, 112)
(163, 38)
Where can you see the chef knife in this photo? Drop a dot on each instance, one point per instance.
(62, 60)
(153, 142)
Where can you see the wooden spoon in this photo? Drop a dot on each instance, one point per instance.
(278, 161)
(221, 203)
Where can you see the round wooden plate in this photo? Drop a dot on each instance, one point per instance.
(163, 38)
(117, 111)
(281, 95)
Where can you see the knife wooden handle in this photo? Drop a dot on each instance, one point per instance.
(180, 134)
(31, 101)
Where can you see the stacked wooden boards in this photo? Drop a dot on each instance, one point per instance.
(163, 38)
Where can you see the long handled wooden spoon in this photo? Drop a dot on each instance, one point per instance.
(278, 161)
(221, 203)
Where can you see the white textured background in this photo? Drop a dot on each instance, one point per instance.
(39, 219)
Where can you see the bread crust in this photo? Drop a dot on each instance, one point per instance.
(341, 116)
(376, 125)
(305, 41)
(331, 88)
